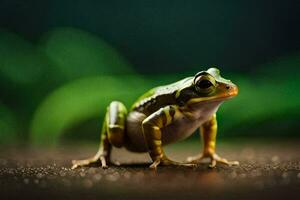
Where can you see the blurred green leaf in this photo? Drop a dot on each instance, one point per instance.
(76, 53)
(80, 100)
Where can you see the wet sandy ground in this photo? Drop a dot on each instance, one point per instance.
(267, 170)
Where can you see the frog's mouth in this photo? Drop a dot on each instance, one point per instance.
(228, 92)
(202, 100)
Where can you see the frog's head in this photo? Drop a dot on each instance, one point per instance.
(206, 86)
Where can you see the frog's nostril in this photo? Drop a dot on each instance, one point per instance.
(227, 87)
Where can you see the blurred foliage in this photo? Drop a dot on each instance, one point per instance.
(69, 77)
(80, 100)
(75, 53)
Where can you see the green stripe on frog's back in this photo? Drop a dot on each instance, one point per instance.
(161, 96)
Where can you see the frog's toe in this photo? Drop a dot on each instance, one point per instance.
(214, 159)
(167, 162)
(229, 163)
(154, 164)
(74, 166)
(103, 162)
(90, 162)
(234, 163)
(82, 163)
(217, 159)
(195, 159)
(116, 163)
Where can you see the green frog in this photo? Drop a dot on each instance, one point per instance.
(164, 115)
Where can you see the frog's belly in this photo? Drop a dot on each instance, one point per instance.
(183, 126)
(180, 129)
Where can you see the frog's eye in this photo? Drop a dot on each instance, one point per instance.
(204, 84)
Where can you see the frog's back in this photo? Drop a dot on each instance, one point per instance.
(159, 97)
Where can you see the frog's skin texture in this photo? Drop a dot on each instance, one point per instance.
(165, 115)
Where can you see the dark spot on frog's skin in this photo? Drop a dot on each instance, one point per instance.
(172, 111)
(227, 87)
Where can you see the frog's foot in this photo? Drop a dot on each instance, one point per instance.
(214, 159)
(101, 159)
(164, 161)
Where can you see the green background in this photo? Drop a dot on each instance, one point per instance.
(62, 62)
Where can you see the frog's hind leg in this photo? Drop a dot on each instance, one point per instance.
(113, 131)
(116, 120)
(103, 154)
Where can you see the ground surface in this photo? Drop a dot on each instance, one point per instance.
(267, 170)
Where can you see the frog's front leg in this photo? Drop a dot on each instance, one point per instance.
(152, 130)
(208, 133)
(112, 134)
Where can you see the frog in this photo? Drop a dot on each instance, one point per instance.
(165, 115)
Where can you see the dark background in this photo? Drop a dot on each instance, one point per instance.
(62, 62)
(169, 35)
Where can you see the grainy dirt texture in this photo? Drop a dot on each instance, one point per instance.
(268, 170)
